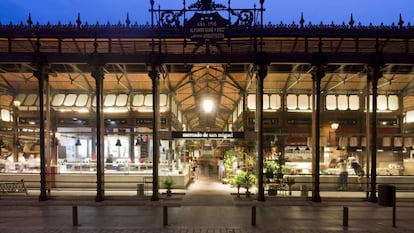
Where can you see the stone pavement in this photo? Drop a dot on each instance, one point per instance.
(204, 208)
(306, 218)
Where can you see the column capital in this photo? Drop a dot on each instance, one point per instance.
(97, 72)
(318, 64)
(42, 71)
(375, 63)
(261, 63)
(153, 65)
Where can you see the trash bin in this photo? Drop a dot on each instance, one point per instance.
(140, 189)
(386, 195)
(303, 190)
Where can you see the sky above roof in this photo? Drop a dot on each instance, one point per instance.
(103, 11)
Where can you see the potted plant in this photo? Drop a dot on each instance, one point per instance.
(168, 184)
(249, 179)
(280, 161)
(237, 181)
(271, 167)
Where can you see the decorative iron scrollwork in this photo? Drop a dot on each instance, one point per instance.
(170, 18)
(206, 5)
(245, 18)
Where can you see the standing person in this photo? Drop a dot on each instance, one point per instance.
(194, 168)
(359, 172)
(343, 175)
(221, 169)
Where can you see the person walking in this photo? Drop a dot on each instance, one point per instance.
(359, 171)
(343, 175)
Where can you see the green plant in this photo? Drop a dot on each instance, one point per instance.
(168, 184)
(280, 161)
(271, 167)
(245, 180)
(237, 181)
(229, 158)
(249, 180)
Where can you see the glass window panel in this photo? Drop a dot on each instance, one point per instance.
(354, 102)
(58, 100)
(393, 102)
(330, 102)
(163, 100)
(291, 102)
(5, 115)
(20, 98)
(251, 102)
(109, 100)
(122, 100)
(303, 102)
(342, 102)
(30, 100)
(235, 115)
(382, 102)
(148, 100)
(266, 100)
(70, 100)
(275, 102)
(82, 100)
(138, 100)
(409, 116)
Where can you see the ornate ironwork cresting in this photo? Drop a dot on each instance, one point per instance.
(178, 19)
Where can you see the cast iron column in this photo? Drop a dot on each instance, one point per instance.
(261, 66)
(154, 75)
(98, 74)
(374, 73)
(42, 74)
(317, 75)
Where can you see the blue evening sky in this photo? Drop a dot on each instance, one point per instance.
(102, 11)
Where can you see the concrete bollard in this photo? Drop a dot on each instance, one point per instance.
(345, 217)
(75, 215)
(253, 215)
(165, 215)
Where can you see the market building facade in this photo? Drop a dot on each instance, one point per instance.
(109, 106)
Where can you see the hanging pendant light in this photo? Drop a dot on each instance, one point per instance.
(118, 143)
(78, 143)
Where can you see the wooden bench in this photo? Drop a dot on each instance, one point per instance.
(13, 187)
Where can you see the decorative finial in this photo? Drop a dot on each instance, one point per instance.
(127, 21)
(302, 20)
(401, 22)
(78, 21)
(351, 21)
(29, 20)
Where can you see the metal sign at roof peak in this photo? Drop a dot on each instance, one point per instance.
(206, 5)
(206, 28)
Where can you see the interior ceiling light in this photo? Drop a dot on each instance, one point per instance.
(208, 105)
(334, 126)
